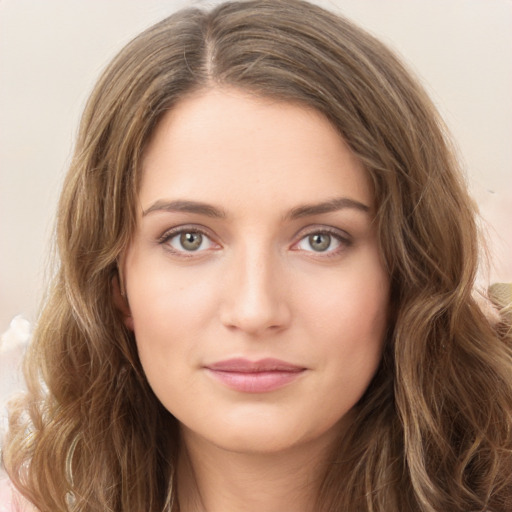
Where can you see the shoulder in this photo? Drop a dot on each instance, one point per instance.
(11, 501)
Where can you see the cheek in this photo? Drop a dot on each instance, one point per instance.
(347, 316)
(170, 310)
(352, 302)
(162, 297)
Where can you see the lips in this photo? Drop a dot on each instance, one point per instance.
(260, 376)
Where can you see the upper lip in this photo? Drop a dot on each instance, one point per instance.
(242, 365)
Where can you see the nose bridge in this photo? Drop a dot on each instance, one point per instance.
(254, 296)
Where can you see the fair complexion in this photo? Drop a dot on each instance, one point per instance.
(257, 295)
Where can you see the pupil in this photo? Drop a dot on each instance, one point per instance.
(320, 242)
(191, 241)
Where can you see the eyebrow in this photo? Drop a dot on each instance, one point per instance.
(307, 210)
(332, 205)
(185, 206)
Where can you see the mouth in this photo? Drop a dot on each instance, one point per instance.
(260, 376)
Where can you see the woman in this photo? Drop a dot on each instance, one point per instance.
(265, 293)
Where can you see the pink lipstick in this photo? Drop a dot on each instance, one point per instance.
(254, 376)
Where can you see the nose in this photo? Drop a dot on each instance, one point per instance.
(255, 296)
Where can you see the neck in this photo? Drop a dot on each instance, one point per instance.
(212, 479)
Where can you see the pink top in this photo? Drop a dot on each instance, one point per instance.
(10, 500)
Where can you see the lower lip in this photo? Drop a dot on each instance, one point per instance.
(255, 382)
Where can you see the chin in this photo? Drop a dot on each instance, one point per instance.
(257, 443)
(263, 435)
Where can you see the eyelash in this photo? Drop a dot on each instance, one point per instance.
(174, 232)
(343, 240)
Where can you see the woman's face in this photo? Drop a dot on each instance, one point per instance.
(256, 289)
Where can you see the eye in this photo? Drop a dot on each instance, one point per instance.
(187, 241)
(322, 241)
(319, 242)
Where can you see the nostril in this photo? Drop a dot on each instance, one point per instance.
(255, 320)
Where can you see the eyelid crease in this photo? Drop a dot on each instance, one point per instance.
(177, 230)
(319, 229)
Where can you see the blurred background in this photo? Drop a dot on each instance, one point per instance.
(52, 51)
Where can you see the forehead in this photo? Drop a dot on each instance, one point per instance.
(224, 145)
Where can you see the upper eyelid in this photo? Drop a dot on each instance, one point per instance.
(171, 232)
(331, 230)
(299, 235)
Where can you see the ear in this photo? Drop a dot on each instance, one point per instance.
(121, 302)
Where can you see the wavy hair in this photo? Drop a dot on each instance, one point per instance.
(432, 433)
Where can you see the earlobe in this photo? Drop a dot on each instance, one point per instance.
(121, 302)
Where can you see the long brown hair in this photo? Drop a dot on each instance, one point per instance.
(434, 430)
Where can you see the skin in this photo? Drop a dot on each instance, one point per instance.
(270, 278)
